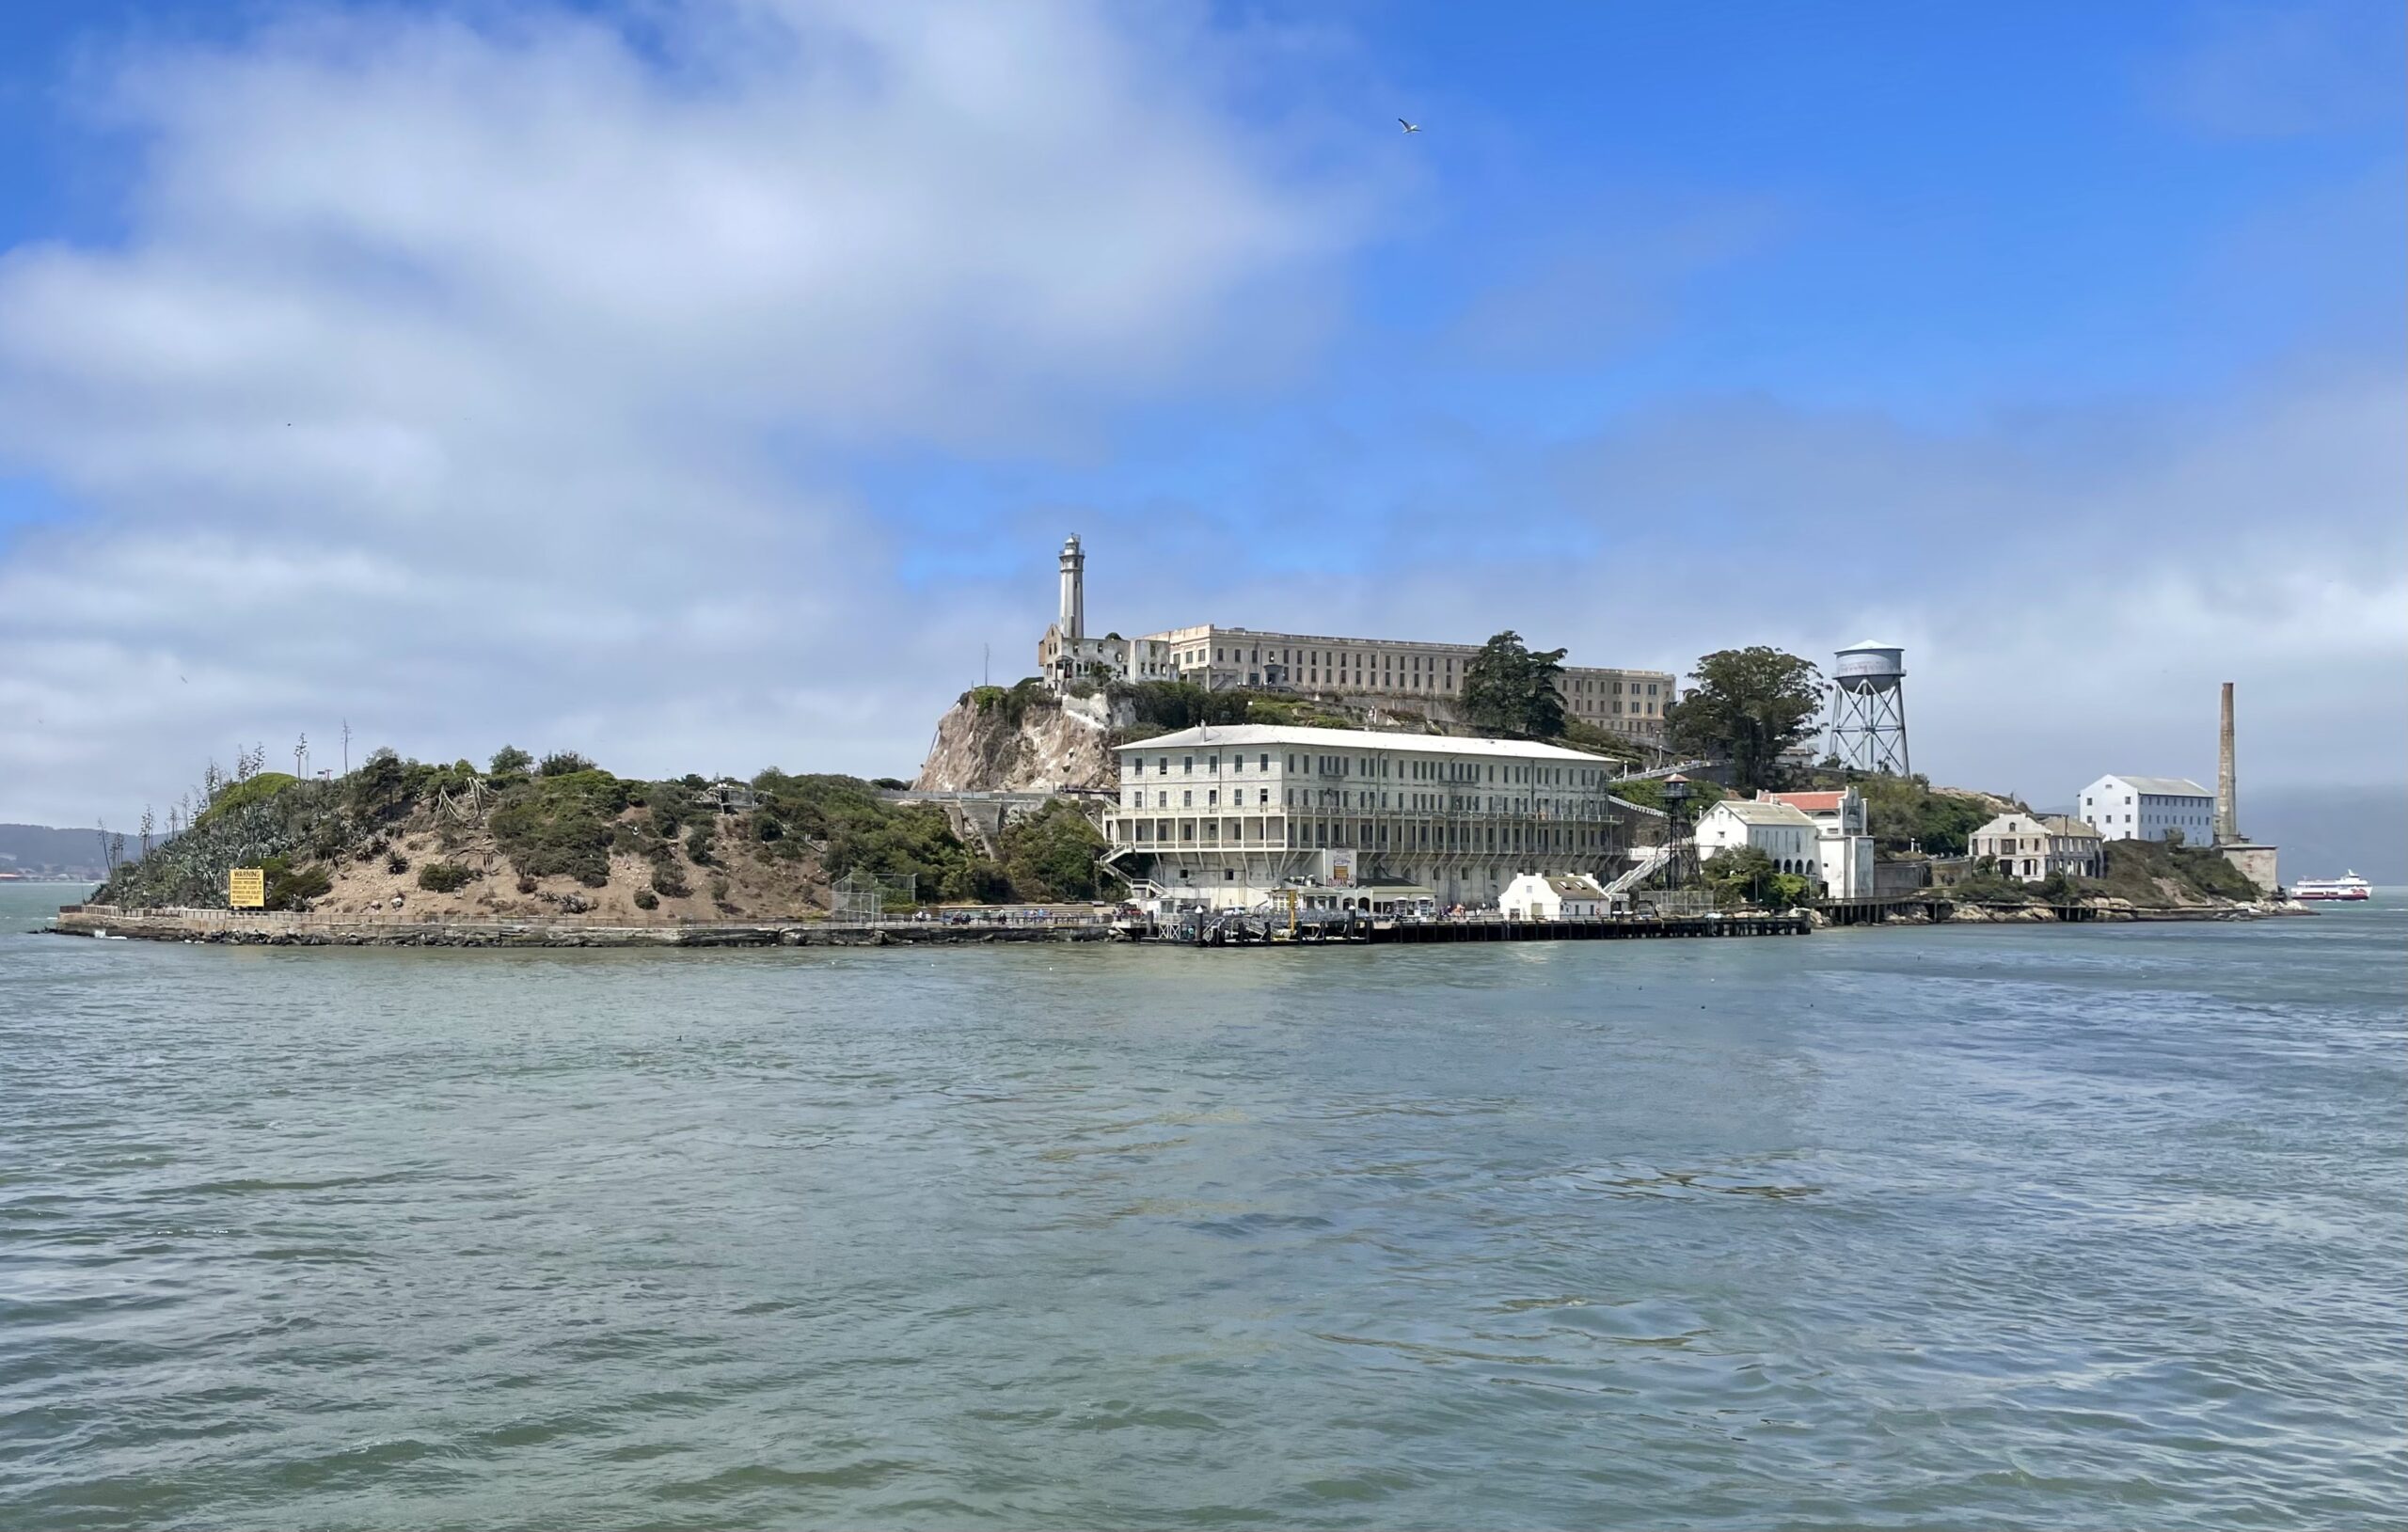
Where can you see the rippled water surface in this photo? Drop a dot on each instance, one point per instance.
(2097, 1226)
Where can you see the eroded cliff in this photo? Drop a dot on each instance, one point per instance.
(1020, 740)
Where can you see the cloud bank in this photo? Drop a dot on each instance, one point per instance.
(493, 382)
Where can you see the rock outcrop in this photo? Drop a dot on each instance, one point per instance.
(993, 741)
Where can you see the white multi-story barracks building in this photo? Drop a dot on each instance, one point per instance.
(1392, 670)
(2144, 808)
(1231, 815)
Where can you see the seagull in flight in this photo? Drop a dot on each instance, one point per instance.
(1410, 127)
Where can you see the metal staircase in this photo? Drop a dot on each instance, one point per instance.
(1655, 858)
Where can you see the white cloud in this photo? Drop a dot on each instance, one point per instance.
(478, 382)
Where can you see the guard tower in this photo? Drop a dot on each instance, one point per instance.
(1073, 621)
(1869, 708)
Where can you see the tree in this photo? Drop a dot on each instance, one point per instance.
(1749, 704)
(1745, 875)
(1510, 690)
(1904, 814)
(510, 761)
(1052, 855)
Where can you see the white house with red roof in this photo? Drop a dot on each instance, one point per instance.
(1776, 829)
(1842, 842)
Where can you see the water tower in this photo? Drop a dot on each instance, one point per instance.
(1869, 708)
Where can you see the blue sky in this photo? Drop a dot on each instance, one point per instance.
(702, 384)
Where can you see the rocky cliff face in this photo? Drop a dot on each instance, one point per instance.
(1036, 746)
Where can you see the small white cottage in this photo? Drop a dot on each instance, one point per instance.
(1558, 896)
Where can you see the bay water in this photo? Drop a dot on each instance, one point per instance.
(2063, 1225)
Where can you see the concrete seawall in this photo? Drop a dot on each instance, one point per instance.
(284, 929)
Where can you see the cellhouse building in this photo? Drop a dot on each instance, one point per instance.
(1394, 672)
(1229, 815)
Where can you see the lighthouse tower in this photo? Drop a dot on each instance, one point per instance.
(1073, 624)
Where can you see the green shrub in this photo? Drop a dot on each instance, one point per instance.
(1012, 703)
(561, 825)
(258, 789)
(563, 764)
(293, 888)
(396, 863)
(698, 845)
(646, 899)
(445, 876)
(668, 881)
(2134, 867)
(1051, 856)
(1580, 734)
(1903, 811)
(670, 806)
(1649, 793)
(852, 829)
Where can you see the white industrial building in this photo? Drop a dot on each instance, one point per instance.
(1842, 839)
(1391, 671)
(2144, 808)
(1777, 831)
(1554, 897)
(1229, 816)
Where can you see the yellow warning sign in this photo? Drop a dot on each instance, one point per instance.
(246, 888)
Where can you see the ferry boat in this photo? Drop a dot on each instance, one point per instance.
(2347, 886)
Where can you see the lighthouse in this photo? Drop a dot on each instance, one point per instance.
(1073, 620)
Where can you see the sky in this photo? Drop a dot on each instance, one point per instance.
(707, 385)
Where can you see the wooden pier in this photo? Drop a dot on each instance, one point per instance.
(1244, 931)
(1640, 929)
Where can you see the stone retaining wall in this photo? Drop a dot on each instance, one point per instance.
(289, 929)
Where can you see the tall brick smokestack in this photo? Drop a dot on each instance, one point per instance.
(2228, 802)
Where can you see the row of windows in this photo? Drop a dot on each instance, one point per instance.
(1296, 798)
(1377, 659)
(1419, 669)
(1187, 797)
(1374, 835)
(1425, 769)
(2153, 800)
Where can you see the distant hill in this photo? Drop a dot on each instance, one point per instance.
(39, 848)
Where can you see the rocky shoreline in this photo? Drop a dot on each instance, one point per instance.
(272, 929)
(1967, 912)
(229, 928)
